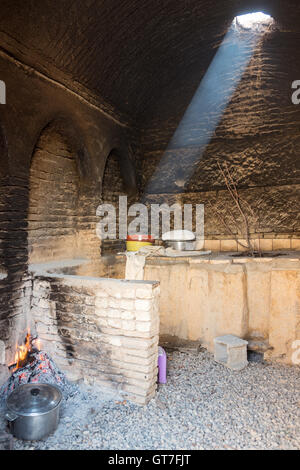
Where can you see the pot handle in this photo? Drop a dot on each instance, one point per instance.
(10, 416)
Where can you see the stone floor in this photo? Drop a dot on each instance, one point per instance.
(204, 405)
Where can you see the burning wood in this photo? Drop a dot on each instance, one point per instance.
(33, 365)
(23, 351)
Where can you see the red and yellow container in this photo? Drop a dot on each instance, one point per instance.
(135, 242)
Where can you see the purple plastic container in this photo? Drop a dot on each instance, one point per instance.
(162, 366)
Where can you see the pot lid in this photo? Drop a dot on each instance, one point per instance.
(178, 235)
(34, 399)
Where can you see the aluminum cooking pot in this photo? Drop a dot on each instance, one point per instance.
(180, 245)
(33, 410)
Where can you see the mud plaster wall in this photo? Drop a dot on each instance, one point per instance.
(253, 299)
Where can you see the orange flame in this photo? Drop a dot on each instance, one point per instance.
(23, 349)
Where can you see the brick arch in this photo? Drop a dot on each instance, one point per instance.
(119, 179)
(120, 170)
(54, 191)
(113, 182)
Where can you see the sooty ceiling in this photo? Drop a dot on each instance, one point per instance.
(130, 55)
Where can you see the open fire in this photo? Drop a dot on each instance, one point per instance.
(23, 351)
(33, 365)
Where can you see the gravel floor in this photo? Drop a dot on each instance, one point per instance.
(203, 406)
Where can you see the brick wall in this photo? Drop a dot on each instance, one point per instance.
(257, 136)
(81, 133)
(274, 227)
(102, 330)
(113, 186)
(62, 217)
(15, 283)
(54, 193)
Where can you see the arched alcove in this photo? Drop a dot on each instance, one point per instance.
(53, 198)
(118, 180)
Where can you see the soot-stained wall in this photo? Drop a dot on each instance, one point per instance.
(42, 124)
(117, 182)
(53, 199)
(119, 76)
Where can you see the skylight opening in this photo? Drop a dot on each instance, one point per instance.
(255, 21)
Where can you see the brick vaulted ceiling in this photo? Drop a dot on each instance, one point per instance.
(131, 56)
